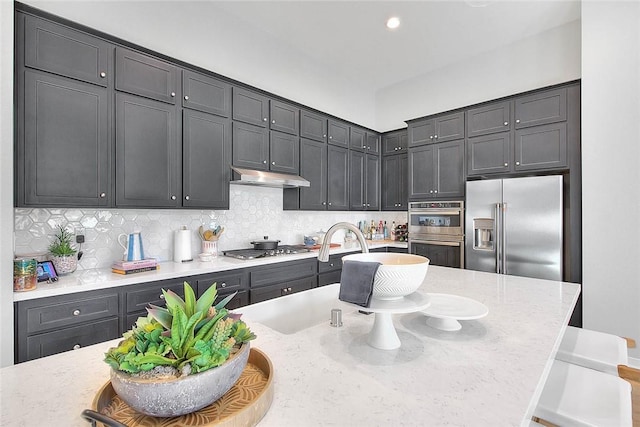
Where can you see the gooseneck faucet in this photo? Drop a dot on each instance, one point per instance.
(323, 254)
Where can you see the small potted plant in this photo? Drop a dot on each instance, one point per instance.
(181, 358)
(63, 255)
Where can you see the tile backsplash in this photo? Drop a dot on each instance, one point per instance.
(253, 212)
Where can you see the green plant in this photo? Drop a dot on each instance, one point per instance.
(61, 244)
(189, 335)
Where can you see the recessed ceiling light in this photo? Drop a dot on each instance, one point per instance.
(393, 22)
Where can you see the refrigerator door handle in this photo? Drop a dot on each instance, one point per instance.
(503, 233)
(498, 239)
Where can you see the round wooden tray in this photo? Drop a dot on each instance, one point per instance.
(244, 404)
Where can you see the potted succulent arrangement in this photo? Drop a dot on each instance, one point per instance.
(63, 255)
(181, 358)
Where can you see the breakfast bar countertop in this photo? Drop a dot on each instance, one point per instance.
(490, 372)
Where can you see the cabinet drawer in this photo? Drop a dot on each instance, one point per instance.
(146, 76)
(72, 338)
(152, 294)
(225, 282)
(67, 313)
(283, 272)
(286, 288)
(334, 263)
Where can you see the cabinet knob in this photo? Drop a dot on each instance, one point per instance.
(368, 148)
(506, 164)
(103, 74)
(331, 264)
(364, 147)
(264, 161)
(395, 148)
(517, 120)
(273, 163)
(329, 203)
(186, 97)
(187, 197)
(76, 312)
(364, 205)
(273, 122)
(289, 289)
(173, 94)
(324, 203)
(330, 137)
(368, 205)
(435, 191)
(324, 135)
(162, 296)
(264, 119)
(435, 136)
(103, 195)
(76, 347)
(506, 123)
(431, 137)
(173, 197)
(224, 284)
(517, 163)
(431, 191)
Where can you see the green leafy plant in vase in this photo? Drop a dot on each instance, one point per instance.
(62, 253)
(181, 358)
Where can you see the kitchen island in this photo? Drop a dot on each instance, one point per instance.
(489, 373)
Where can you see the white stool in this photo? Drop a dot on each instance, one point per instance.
(578, 396)
(591, 349)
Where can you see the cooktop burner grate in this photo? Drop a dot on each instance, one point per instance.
(261, 253)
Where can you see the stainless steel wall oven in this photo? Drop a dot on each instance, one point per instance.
(436, 231)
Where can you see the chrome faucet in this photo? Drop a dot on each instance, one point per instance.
(323, 254)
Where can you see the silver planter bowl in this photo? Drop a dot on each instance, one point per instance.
(172, 398)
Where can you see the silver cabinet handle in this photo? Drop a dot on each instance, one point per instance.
(331, 264)
(368, 205)
(264, 161)
(103, 74)
(517, 163)
(161, 296)
(173, 94)
(435, 136)
(506, 123)
(186, 97)
(273, 163)
(289, 289)
(103, 195)
(435, 191)
(324, 203)
(431, 137)
(324, 135)
(173, 197)
(76, 347)
(368, 148)
(517, 120)
(76, 312)
(364, 147)
(364, 205)
(264, 119)
(186, 197)
(224, 284)
(395, 148)
(273, 121)
(431, 191)
(330, 137)
(329, 203)
(506, 164)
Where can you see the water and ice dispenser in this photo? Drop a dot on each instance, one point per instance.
(483, 233)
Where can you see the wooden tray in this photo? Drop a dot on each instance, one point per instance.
(331, 245)
(244, 404)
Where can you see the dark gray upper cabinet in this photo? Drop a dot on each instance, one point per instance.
(421, 132)
(146, 76)
(443, 128)
(313, 126)
(364, 181)
(62, 50)
(541, 108)
(358, 139)
(338, 133)
(67, 150)
(250, 146)
(284, 153)
(284, 117)
(489, 154)
(338, 178)
(373, 143)
(437, 171)
(394, 142)
(394, 183)
(313, 167)
(492, 118)
(206, 94)
(372, 182)
(250, 107)
(148, 156)
(206, 160)
(541, 147)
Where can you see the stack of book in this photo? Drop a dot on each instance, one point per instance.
(130, 267)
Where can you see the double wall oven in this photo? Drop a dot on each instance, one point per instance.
(436, 231)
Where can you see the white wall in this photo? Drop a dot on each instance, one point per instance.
(610, 158)
(6, 182)
(549, 58)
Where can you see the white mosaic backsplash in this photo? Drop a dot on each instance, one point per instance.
(253, 212)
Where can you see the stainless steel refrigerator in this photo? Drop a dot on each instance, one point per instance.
(514, 226)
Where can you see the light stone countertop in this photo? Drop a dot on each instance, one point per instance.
(94, 279)
(490, 373)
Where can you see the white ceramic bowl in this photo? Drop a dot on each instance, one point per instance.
(398, 275)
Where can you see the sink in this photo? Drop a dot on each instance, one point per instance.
(398, 275)
(292, 313)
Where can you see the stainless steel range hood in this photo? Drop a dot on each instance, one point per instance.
(267, 179)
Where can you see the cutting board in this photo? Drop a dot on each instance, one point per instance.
(331, 245)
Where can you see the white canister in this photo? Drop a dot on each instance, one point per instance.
(182, 245)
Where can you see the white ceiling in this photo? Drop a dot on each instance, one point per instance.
(351, 38)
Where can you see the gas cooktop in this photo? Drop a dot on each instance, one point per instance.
(261, 253)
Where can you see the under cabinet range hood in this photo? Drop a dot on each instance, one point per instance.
(267, 179)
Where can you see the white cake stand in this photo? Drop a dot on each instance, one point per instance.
(445, 311)
(383, 335)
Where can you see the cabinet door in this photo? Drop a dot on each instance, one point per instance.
(390, 182)
(421, 132)
(403, 187)
(394, 142)
(146, 76)
(250, 107)
(441, 255)
(338, 133)
(206, 160)
(285, 117)
(226, 282)
(67, 149)
(206, 94)
(357, 183)
(284, 153)
(313, 167)
(358, 139)
(541, 147)
(139, 298)
(61, 50)
(250, 146)
(147, 153)
(372, 177)
(541, 108)
(282, 289)
(421, 173)
(449, 127)
(313, 126)
(489, 154)
(337, 178)
(493, 118)
(450, 177)
(373, 143)
(282, 272)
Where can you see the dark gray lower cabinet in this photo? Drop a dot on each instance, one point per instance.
(281, 279)
(227, 283)
(445, 256)
(286, 288)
